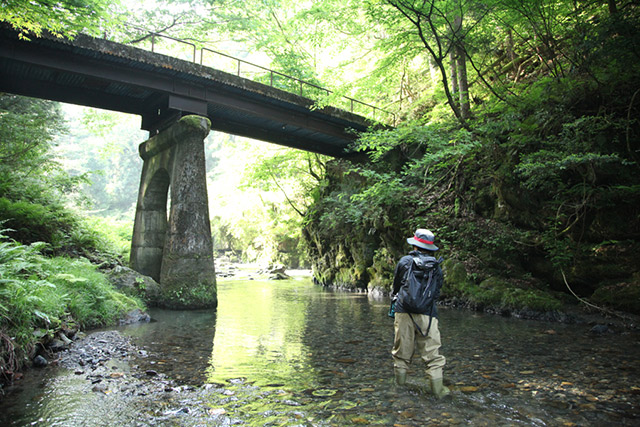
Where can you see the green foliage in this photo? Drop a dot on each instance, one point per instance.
(294, 173)
(381, 270)
(65, 18)
(103, 146)
(63, 230)
(114, 234)
(583, 153)
(364, 198)
(36, 194)
(33, 222)
(546, 169)
(27, 128)
(40, 293)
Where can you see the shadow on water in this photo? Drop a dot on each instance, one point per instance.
(291, 353)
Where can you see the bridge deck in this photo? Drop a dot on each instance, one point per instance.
(103, 74)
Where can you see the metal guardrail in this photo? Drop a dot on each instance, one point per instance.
(300, 83)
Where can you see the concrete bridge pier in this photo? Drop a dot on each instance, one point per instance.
(177, 252)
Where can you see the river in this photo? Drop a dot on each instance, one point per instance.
(290, 353)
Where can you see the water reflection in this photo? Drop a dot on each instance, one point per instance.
(258, 331)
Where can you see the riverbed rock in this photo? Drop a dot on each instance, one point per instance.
(600, 329)
(279, 276)
(57, 345)
(135, 316)
(275, 272)
(40, 362)
(64, 338)
(95, 348)
(225, 268)
(133, 283)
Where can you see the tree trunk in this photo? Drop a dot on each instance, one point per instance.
(454, 71)
(463, 83)
(510, 52)
(461, 65)
(511, 55)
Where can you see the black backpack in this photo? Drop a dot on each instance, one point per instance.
(419, 289)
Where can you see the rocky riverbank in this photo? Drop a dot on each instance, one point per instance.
(106, 374)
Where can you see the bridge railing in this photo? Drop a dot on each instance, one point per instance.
(273, 78)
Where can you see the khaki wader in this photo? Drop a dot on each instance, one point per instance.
(409, 341)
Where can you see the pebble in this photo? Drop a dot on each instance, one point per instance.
(100, 387)
(40, 362)
(600, 329)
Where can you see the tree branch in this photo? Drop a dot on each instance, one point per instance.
(293, 206)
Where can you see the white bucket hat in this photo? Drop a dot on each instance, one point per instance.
(423, 239)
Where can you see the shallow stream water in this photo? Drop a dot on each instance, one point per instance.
(294, 354)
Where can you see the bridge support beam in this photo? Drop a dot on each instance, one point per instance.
(176, 251)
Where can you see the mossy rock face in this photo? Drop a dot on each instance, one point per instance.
(381, 272)
(494, 292)
(380, 281)
(499, 293)
(347, 278)
(532, 299)
(456, 280)
(195, 296)
(610, 263)
(622, 296)
(324, 276)
(493, 283)
(134, 284)
(454, 272)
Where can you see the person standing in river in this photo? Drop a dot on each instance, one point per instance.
(416, 329)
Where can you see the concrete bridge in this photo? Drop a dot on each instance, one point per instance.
(179, 102)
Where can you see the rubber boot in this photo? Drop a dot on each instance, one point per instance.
(401, 376)
(438, 389)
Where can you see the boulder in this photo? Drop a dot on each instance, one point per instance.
(40, 362)
(135, 316)
(133, 283)
(277, 272)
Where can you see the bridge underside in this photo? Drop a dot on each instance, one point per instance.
(107, 75)
(174, 99)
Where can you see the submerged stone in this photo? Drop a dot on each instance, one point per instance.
(40, 362)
